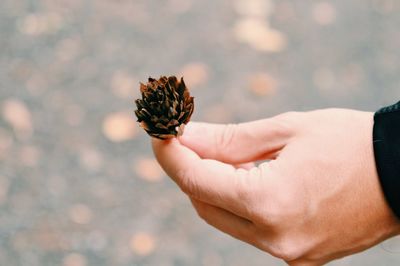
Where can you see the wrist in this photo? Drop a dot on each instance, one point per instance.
(386, 144)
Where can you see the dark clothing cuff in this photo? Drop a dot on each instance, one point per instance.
(386, 137)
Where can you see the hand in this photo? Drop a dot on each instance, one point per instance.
(317, 199)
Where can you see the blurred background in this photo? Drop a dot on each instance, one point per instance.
(78, 182)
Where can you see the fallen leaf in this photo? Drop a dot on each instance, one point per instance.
(195, 74)
(262, 84)
(119, 127)
(80, 214)
(74, 259)
(149, 170)
(259, 35)
(17, 114)
(142, 244)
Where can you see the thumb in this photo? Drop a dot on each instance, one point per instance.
(238, 143)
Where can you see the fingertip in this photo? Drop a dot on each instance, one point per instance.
(192, 129)
(173, 157)
(161, 146)
(159, 142)
(197, 137)
(192, 125)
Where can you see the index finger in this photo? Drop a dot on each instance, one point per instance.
(210, 181)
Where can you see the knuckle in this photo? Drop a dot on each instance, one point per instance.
(225, 139)
(286, 249)
(187, 182)
(244, 195)
(244, 190)
(283, 246)
(249, 195)
(285, 124)
(201, 212)
(287, 203)
(281, 214)
(291, 117)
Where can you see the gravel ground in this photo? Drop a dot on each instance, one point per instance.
(78, 182)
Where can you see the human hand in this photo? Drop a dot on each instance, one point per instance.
(317, 199)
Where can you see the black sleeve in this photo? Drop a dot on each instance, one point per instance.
(386, 138)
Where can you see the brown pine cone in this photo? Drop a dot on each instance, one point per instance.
(166, 106)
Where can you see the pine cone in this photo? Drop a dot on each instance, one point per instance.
(166, 106)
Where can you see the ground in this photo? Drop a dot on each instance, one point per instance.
(78, 182)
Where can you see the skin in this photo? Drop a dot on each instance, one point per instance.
(316, 199)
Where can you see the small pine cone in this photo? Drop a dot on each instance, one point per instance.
(166, 106)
